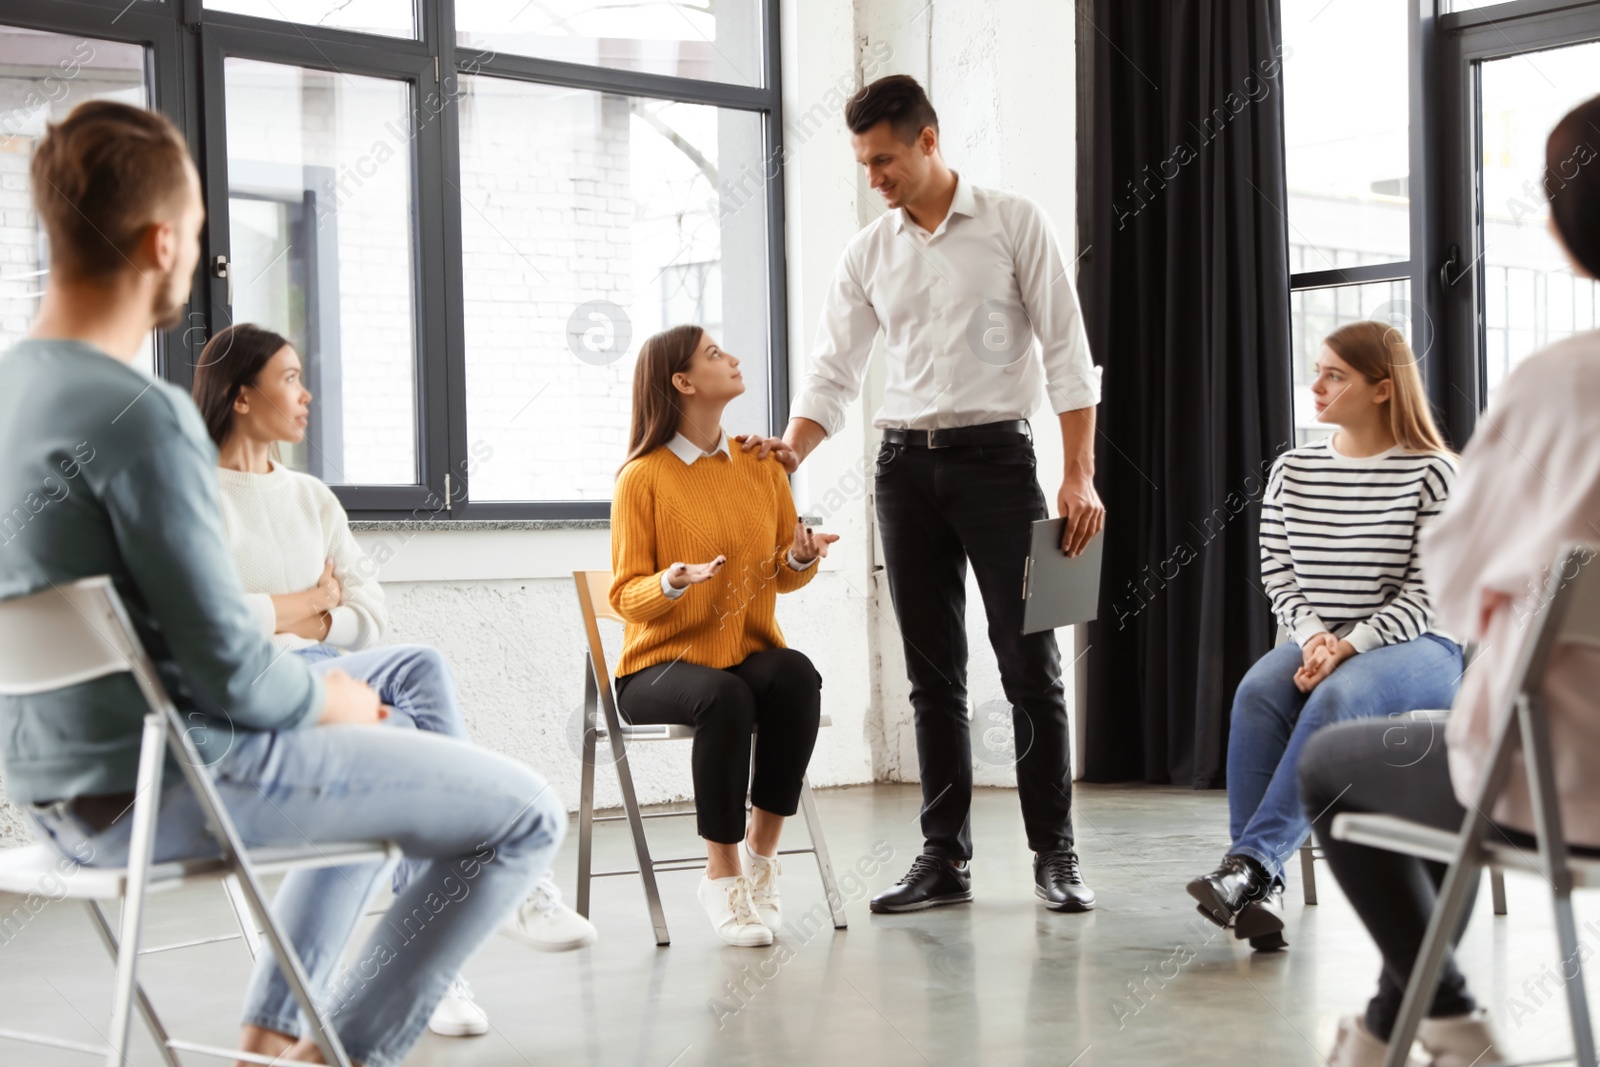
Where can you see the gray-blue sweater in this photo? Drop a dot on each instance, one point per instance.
(105, 471)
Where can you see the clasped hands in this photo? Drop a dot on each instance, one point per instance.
(1323, 652)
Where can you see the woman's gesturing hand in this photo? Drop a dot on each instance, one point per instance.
(808, 545)
(683, 575)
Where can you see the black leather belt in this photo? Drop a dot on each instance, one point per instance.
(990, 433)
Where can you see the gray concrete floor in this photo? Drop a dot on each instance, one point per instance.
(999, 981)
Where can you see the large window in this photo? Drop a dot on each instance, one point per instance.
(1347, 155)
(1508, 73)
(1530, 295)
(591, 221)
(466, 215)
(42, 77)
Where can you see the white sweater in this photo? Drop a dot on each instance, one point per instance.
(282, 527)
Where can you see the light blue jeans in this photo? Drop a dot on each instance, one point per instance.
(416, 683)
(1272, 720)
(483, 827)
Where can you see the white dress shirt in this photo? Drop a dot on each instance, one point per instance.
(957, 307)
(691, 454)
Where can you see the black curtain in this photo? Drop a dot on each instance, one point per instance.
(1185, 287)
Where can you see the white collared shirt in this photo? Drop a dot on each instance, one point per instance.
(691, 454)
(955, 306)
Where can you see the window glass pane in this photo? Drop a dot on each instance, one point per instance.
(713, 42)
(1315, 313)
(590, 222)
(42, 77)
(320, 217)
(1531, 296)
(393, 18)
(1345, 132)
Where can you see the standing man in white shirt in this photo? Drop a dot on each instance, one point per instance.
(961, 280)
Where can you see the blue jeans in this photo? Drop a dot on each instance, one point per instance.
(485, 827)
(1272, 721)
(415, 681)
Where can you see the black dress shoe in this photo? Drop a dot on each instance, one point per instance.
(1226, 890)
(1058, 882)
(931, 882)
(1260, 922)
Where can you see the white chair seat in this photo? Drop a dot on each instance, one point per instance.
(1394, 834)
(28, 869)
(666, 731)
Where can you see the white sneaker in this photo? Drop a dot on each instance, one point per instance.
(763, 873)
(1460, 1040)
(458, 1015)
(547, 924)
(1355, 1046)
(733, 914)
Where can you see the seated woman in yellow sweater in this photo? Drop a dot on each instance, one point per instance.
(703, 539)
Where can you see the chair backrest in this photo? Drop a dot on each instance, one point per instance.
(1569, 611)
(63, 636)
(594, 598)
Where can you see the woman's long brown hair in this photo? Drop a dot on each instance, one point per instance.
(655, 399)
(1376, 350)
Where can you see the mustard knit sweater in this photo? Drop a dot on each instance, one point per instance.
(665, 511)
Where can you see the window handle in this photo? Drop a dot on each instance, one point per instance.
(223, 269)
(1448, 274)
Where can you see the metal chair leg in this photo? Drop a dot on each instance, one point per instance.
(147, 1011)
(1557, 871)
(241, 912)
(1308, 872)
(141, 848)
(819, 846)
(1497, 889)
(630, 804)
(586, 792)
(283, 951)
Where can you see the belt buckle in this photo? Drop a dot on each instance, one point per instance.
(932, 438)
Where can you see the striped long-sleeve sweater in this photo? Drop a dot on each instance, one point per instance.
(1339, 542)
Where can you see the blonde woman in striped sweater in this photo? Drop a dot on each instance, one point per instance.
(1340, 524)
(703, 538)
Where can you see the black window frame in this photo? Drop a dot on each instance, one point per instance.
(1465, 39)
(188, 46)
(1425, 337)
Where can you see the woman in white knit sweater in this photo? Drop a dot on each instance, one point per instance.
(314, 591)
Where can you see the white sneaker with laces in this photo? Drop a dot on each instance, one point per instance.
(1355, 1046)
(458, 1015)
(547, 924)
(1460, 1040)
(763, 873)
(733, 914)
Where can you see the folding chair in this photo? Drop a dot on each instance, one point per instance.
(1569, 614)
(77, 633)
(594, 598)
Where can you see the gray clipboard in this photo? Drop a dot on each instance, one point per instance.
(1057, 589)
